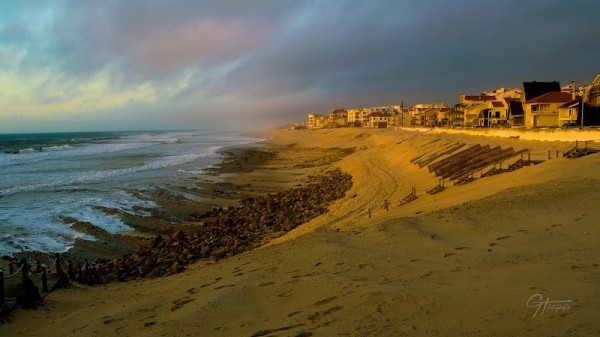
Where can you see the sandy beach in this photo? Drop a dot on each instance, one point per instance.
(514, 254)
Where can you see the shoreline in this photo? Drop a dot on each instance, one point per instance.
(435, 264)
(220, 187)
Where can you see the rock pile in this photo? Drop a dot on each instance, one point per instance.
(228, 232)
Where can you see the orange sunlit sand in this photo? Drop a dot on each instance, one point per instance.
(475, 259)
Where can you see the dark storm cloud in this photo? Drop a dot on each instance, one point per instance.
(346, 47)
(393, 49)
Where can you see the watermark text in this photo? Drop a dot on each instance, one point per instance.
(544, 305)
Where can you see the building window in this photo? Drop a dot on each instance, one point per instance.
(540, 107)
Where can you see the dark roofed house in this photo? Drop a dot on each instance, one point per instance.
(535, 89)
(516, 114)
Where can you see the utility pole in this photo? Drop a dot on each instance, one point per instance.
(582, 108)
(402, 112)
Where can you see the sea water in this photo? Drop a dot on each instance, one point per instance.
(47, 177)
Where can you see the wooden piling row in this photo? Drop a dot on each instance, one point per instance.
(23, 290)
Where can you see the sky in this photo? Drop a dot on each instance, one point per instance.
(238, 64)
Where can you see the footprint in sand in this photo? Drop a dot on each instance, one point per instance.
(320, 314)
(109, 320)
(449, 254)
(286, 293)
(366, 265)
(205, 285)
(325, 301)
(503, 237)
(270, 331)
(177, 304)
(461, 248)
(426, 275)
(304, 334)
(266, 284)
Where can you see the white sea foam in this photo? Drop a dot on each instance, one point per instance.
(39, 189)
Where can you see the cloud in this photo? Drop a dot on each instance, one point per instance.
(256, 61)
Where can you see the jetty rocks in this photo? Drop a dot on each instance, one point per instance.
(229, 231)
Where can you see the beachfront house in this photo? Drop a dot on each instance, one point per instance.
(356, 117)
(502, 94)
(542, 111)
(497, 115)
(315, 121)
(444, 117)
(472, 107)
(421, 113)
(379, 120)
(337, 118)
(515, 112)
(592, 93)
(437, 116)
(569, 112)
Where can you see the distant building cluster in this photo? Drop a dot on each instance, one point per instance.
(534, 105)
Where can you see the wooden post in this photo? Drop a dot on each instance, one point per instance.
(24, 270)
(63, 279)
(31, 294)
(71, 271)
(2, 296)
(549, 155)
(556, 153)
(44, 279)
(528, 156)
(59, 270)
(576, 144)
(11, 268)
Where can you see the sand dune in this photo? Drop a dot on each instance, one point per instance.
(464, 262)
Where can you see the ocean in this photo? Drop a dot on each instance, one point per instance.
(46, 177)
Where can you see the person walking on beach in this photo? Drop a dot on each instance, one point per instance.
(369, 212)
(386, 204)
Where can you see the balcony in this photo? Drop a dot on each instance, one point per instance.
(544, 112)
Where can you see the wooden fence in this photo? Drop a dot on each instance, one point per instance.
(21, 283)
